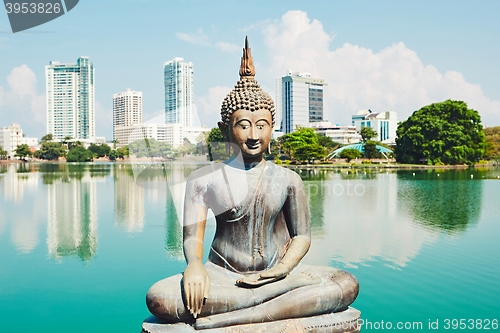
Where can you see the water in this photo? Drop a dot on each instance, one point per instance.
(80, 244)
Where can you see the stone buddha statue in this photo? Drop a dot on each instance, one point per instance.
(253, 273)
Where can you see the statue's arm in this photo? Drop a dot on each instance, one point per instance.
(299, 225)
(298, 222)
(195, 281)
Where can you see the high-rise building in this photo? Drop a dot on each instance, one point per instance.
(178, 92)
(127, 109)
(302, 100)
(71, 99)
(278, 107)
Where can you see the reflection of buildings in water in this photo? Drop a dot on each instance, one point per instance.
(362, 221)
(14, 184)
(24, 233)
(72, 218)
(129, 203)
(20, 186)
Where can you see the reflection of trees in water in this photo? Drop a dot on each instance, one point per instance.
(343, 173)
(173, 230)
(68, 171)
(316, 195)
(447, 200)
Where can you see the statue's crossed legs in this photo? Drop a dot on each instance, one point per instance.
(307, 291)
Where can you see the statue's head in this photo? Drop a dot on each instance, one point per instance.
(247, 104)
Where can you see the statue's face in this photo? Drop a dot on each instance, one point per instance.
(251, 131)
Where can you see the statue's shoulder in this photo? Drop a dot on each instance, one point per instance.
(206, 173)
(283, 174)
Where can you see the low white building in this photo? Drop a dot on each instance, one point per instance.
(384, 123)
(12, 136)
(172, 134)
(341, 134)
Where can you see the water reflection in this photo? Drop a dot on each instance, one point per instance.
(167, 181)
(356, 215)
(128, 201)
(17, 180)
(72, 215)
(362, 220)
(446, 200)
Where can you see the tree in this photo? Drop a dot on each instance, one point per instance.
(150, 148)
(23, 151)
(3, 153)
(113, 155)
(447, 132)
(350, 154)
(99, 150)
(66, 141)
(367, 133)
(122, 152)
(371, 150)
(216, 145)
(187, 148)
(50, 150)
(327, 142)
(310, 152)
(300, 138)
(79, 154)
(492, 137)
(46, 138)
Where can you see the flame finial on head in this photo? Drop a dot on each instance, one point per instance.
(246, 68)
(246, 94)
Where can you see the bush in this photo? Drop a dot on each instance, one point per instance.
(79, 154)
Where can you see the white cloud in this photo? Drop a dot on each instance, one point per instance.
(197, 38)
(22, 81)
(208, 106)
(358, 78)
(21, 102)
(228, 47)
(200, 38)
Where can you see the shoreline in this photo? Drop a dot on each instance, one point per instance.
(323, 166)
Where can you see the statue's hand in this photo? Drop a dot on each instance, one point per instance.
(277, 272)
(196, 286)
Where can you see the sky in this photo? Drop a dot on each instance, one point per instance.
(378, 55)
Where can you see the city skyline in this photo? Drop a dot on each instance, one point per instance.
(389, 56)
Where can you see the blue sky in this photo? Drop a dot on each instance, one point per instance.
(382, 55)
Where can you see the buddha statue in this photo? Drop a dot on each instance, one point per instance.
(253, 273)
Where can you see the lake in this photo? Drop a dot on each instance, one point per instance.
(80, 244)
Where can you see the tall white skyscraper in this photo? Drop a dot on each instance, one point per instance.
(302, 100)
(178, 92)
(71, 99)
(278, 107)
(127, 109)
